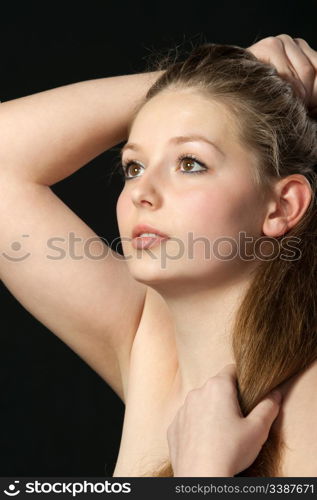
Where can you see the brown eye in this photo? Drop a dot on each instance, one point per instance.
(188, 164)
(131, 169)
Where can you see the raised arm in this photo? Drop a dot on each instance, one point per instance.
(47, 136)
(93, 304)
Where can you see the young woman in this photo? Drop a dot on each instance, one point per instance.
(158, 323)
(221, 161)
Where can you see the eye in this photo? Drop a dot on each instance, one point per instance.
(132, 167)
(126, 168)
(187, 161)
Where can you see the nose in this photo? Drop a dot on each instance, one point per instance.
(147, 192)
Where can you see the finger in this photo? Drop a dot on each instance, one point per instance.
(271, 50)
(308, 51)
(312, 56)
(296, 81)
(266, 411)
(301, 64)
(228, 386)
(229, 375)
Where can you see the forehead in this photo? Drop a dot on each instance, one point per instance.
(173, 115)
(179, 112)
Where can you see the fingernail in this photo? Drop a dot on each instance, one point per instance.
(277, 396)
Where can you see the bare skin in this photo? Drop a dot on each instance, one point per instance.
(236, 439)
(134, 347)
(152, 403)
(197, 291)
(297, 62)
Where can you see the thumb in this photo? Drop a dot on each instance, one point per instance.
(267, 409)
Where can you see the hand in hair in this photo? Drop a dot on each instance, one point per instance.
(295, 61)
(209, 435)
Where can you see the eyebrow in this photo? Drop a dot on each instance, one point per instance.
(176, 140)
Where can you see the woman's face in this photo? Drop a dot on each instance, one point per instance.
(201, 203)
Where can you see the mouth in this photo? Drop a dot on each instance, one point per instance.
(145, 236)
(142, 242)
(145, 230)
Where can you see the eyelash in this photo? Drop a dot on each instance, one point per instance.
(126, 165)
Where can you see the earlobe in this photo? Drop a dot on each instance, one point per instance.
(289, 202)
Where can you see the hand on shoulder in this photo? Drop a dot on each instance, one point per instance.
(209, 435)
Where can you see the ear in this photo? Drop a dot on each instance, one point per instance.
(287, 204)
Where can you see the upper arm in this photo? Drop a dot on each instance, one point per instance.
(79, 288)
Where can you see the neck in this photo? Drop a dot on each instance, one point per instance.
(203, 320)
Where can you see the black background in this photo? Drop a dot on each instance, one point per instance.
(58, 418)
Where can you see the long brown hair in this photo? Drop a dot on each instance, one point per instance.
(275, 332)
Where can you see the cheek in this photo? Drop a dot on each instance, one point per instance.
(215, 217)
(220, 211)
(122, 210)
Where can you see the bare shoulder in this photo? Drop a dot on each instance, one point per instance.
(297, 422)
(153, 346)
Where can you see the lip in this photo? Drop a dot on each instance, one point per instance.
(145, 228)
(143, 242)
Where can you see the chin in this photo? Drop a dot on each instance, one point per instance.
(153, 273)
(148, 276)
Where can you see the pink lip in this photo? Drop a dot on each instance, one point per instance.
(147, 241)
(145, 228)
